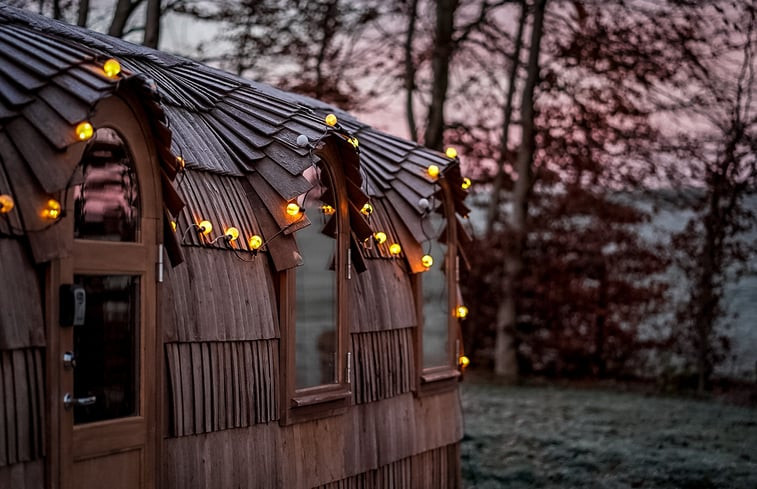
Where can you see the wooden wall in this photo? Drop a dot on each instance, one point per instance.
(22, 374)
(221, 351)
(366, 438)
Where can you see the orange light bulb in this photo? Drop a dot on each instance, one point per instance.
(6, 203)
(84, 131)
(52, 211)
(461, 312)
(231, 233)
(112, 68)
(433, 171)
(205, 227)
(255, 242)
(293, 209)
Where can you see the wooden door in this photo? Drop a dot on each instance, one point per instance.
(108, 367)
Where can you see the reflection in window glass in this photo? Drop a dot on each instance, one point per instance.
(436, 307)
(316, 288)
(107, 201)
(105, 348)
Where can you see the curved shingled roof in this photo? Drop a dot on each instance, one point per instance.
(221, 125)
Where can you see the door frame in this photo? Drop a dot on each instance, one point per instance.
(125, 114)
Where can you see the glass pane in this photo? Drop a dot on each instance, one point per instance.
(436, 308)
(316, 292)
(106, 204)
(106, 348)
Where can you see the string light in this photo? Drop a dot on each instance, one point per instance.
(353, 141)
(433, 171)
(112, 68)
(464, 362)
(205, 227)
(231, 233)
(255, 242)
(331, 120)
(451, 153)
(327, 209)
(380, 237)
(173, 226)
(52, 210)
(367, 209)
(293, 209)
(302, 140)
(180, 161)
(6, 203)
(84, 131)
(466, 183)
(395, 249)
(461, 312)
(427, 261)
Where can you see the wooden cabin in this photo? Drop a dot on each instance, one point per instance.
(210, 283)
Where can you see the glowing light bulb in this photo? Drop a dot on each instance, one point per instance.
(466, 183)
(327, 209)
(52, 210)
(433, 171)
(84, 131)
(461, 312)
(231, 233)
(180, 161)
(255, 242)
(380, 237)
(353, 141)
(464, 362)
(293, 209)
(331, 120)
(205, 227)
(427, 261)
(395, 249)
(367, 209)
(6, 203)
(173, 226)
(451, 152)
(112, 68)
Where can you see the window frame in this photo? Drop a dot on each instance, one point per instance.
(309, 403)
(438, 378)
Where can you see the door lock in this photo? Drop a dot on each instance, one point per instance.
(69, 401)
(69, 360)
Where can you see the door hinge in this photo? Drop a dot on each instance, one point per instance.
(349, 368)
(160, 264)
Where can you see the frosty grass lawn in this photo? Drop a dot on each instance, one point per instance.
(542, 437)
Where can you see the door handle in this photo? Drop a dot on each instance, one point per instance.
(69, 401)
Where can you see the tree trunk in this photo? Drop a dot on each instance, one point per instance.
(81, 20)
(499, 177)
(57, 12)
(505, 360)
(152, 24)
(121, 15)
(410, 70)
(443, 49)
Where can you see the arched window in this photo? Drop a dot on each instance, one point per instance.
(106, 203)
(314, 331)
(316, 285)
(438, 291)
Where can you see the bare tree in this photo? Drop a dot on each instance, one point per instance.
(505, 358)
